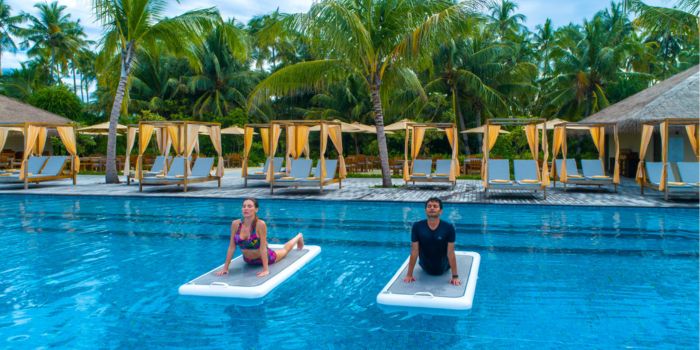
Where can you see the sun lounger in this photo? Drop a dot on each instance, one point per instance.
(51, 170)
(301, 175)
(673, 185)
(200, 172)
(689, 172)
(262, 175)
(593, 171)
(526, 173)
(300, 170)
(156, 169)
(571, 169)
(422, 171)
(499, 173)
(443, 167)
(34, 166)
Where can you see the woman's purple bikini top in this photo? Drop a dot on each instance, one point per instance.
(253, 242)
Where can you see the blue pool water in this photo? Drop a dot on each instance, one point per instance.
(104, 272)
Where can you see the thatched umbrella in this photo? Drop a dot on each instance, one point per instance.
(675, 97)
(398, 126)
(480, 130)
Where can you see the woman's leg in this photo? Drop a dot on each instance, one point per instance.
(298, 241)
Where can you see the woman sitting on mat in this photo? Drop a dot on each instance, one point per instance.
(250, 234)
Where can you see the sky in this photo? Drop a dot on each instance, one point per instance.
(561, 12)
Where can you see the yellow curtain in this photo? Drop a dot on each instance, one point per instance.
(30, 136)
(192, 137)
(533, 142)
(416, 143)
(291, 145)
(564, 149)
(647, 131)
(595, 134)
(406, 176)
(67, 135)
(691, 130)
(322, 156)
(3, 137)
(215, 136)
(545, 151)
(664, 155)
(41, 141)
(160, 139)
(452, 139)
(130, 138)
(616, 168)
(145, 133)
(336, 134)
(247, 143)
(491, 133)
(265, 136)
(598, 134)
(301, 137)
(176, 138)
(556, 144)
(276, 131)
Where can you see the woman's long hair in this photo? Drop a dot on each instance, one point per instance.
(254, 224)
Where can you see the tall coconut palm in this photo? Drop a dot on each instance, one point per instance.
(52, 34)
(369, 39)
(127, 25)
(543, 39)
(504, 20)
(9, 25)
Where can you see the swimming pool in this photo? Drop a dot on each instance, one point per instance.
(103, 272)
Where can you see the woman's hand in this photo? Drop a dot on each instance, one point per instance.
(222, 272)
(263, 273)
(409, 279)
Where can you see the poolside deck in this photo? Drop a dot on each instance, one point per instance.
(366, 189)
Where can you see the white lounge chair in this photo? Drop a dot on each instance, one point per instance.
(300, 170)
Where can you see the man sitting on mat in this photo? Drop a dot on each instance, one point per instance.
(433, 241)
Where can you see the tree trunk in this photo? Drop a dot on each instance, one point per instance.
(460, 119)
(478, 124)
(0, 61)
(357, 145)
(381, 136)
(75, 85)
(82, 83)
(126, 57)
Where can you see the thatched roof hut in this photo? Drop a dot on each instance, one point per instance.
(13, 111)
(675, 97)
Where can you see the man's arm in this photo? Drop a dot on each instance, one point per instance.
(453, 264)
(412, 263)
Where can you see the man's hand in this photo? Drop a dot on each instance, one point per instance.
(409, 279)
(263, 273)
(455, 281)
(222, 272)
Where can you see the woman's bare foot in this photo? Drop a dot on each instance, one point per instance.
(300, 241)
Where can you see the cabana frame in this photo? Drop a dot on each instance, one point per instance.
(597, 132)
(692, 127)
(301, 129)
(492, 127)
(414, 133)
(183, 136)
(35, 136)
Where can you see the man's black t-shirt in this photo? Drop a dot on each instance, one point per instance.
(432, 245)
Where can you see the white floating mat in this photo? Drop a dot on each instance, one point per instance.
(241, 280)
(434, 292)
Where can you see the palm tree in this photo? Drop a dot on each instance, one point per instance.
(9, 25)
(371, 40)
(128, 24)
(224, 82)
(543, 40)
(54, 35)
(504, 21)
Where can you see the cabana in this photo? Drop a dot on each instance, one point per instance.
(270, 159)
(446, 170)
(593, 169)
(661, 176)
(36, 168)
(495, 174)
(183, 137)
(300, 173)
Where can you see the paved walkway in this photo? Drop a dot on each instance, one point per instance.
(466, 191)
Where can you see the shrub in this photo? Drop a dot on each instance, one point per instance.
(59, 100)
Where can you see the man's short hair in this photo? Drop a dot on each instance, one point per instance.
(434, 199)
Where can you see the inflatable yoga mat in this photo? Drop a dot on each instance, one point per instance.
(241, 280)
(434, 292)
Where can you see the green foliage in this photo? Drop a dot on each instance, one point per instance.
(57, 99)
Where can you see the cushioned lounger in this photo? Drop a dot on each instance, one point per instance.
(421, 168)
(54, 167)
(176, 171)
(434, 291)
(526, 173)
(593, 170)
(300, 170)
(34, 165)
(499, 173)
(262, 175)
(571, 169)
(689, 172)
(242, 281)
(442, 169)
(653, 170)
